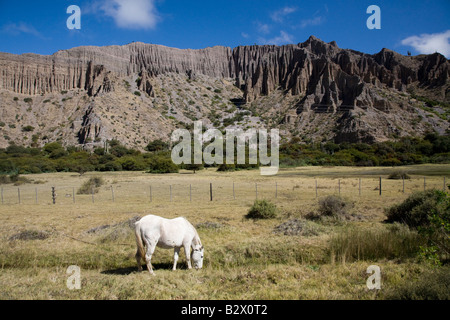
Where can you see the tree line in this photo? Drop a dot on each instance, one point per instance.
(53, 157)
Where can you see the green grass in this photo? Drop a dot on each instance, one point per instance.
(244, 258)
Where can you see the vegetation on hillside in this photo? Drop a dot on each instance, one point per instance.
(53, 157)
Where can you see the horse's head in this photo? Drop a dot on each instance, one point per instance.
(197, 257)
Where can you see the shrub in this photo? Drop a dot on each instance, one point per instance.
(433, 285)
(162, 165)
(262, 209)
(415, 210)
(429, 213)
(397, 175)
(93, 184)
(334, 207)
(226, 167)
(28, 100)
(137, 93)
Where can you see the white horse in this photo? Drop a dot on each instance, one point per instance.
(152, 231)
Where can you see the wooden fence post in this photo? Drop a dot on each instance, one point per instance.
(339, 182)
(360, 187)
(36, 195)
(112, 192)
(276, 190)
(151, 196)
(256, 191)
(92, 191)
(380, 186)
(316, 189)
(53, 195)
(18, 194)
(210, 192)
(170, 193)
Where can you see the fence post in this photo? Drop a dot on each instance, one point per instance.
(170, 193)
(360, 187)
(112, 192)
(256, 191)
(339, 186)
(316, 189)
(210, 192)
(380, 186)
(18, 194)
(276, 190)
(151, 200)
(92, 191)
(53, 195)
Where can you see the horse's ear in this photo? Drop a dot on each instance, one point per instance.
(201, 248)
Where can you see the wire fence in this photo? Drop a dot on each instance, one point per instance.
(161, 191)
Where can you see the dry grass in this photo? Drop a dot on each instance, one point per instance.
(244, 259)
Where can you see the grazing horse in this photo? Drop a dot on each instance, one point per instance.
(152, 231)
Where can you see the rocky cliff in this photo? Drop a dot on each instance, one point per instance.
(314, 78)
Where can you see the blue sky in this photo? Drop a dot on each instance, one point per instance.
(40, 26)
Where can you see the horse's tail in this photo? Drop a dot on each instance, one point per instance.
(139, 243)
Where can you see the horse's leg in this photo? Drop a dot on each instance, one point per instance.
(138, 260)
(175, 257)
(148, 256)
(187, 251)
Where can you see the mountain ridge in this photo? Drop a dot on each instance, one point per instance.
(310, 82)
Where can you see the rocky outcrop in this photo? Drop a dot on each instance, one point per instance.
(310, 68)
(316, 77)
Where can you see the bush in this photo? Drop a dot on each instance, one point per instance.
(397, 175)
(429, 213)
(334, 207)
(262, 209)
(415, 210)
(433, 285)
(27, 129)
(93, 184)
(162, 165)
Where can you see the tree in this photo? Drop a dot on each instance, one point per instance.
(157, 145)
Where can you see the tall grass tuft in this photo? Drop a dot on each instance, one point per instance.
(91, 185)
(355, 244)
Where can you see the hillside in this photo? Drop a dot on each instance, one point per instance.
(140, 92)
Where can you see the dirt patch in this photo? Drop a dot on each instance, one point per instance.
(296, 227)
(29, 235)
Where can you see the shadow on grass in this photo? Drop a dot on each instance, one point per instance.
(134, 269)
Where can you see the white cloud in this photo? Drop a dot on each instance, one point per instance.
(21, 27)
(245, 35)
(283, 38)
(312, 22)
(262, 27)
(430, 43)
(132, 14)
(279, 15)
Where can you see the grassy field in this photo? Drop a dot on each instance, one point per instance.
(244, 259)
